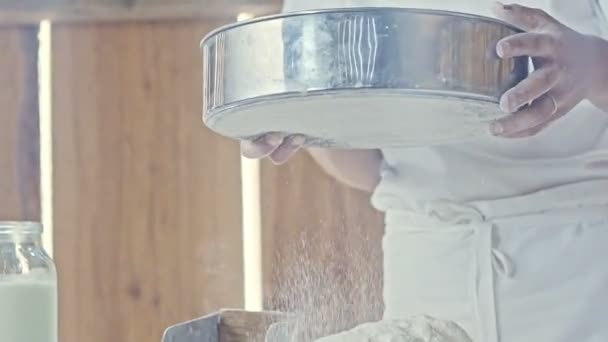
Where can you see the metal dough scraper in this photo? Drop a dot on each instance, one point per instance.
(232, 326)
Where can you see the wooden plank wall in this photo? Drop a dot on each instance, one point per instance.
(32, 11)
(19, 134)
(322, 248)
(147, 201)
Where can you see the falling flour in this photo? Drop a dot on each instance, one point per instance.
(330, 284)
(418, 329)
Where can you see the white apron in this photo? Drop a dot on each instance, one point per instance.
(533, 268)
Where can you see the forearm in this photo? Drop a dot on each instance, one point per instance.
(359, 169)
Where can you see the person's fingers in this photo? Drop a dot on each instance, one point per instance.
(537, 84)
(524, 18)
(539, 112)
(527, 44)
(261, 147)
(290, 146)
(567, 102)
(530, 132)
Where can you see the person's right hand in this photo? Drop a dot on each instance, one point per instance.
(277, 147)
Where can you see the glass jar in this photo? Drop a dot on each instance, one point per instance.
(28, 285)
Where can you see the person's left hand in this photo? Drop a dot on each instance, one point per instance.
(569, 67)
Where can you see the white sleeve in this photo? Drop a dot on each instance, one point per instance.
(583, 16)
(601, 11)
(468, 6)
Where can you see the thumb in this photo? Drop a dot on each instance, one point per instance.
(261, 147)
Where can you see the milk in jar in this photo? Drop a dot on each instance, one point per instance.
(28, 285)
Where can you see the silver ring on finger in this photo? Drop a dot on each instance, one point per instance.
(555, 105)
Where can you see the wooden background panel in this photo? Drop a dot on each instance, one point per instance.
(19, 132)
(147, 201)
(322, 248)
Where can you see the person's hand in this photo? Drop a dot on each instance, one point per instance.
(569, 67)
(277, 147)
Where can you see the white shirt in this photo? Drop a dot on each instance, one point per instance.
(574, 149)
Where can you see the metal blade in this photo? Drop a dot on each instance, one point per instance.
(199, 330)
(279, 332)
(282, 331)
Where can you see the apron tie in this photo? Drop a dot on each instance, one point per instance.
(503, 265)
(489, 261)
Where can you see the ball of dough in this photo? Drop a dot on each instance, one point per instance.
(417, 329)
